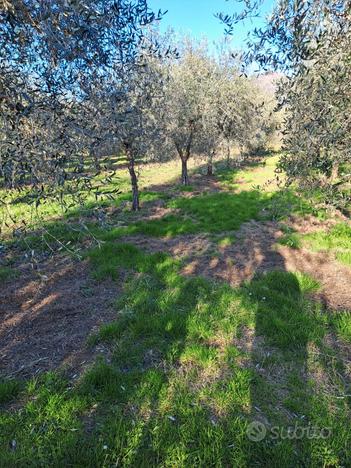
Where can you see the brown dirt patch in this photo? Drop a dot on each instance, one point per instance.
(334, 277)
(252, 251)
(255, 250)
(47, 315)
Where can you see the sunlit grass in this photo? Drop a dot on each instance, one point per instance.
(178, 388)
(203, 213)
(21, 213)
(343, 325)
(336, 240)
(261, 174)
(213, 213)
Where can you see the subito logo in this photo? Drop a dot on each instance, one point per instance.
(256, 431)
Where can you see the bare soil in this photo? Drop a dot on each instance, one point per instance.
(255, 250)
(46, 316)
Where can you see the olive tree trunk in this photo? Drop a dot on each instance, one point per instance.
(184, 154)
(135, 188)
(185, 177)
(228, 156)
(133, 177)
(184, 159)
(210, 163)
(96, 159)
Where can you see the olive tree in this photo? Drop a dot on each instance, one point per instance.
(310, 43)
(190, 78)
(318, 122)
(236, 113)
(52, 54)
(125, 111)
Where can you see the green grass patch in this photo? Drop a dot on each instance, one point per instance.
(9, 389)
(291, 240)
(307, 284)
(338, 237)
(7, 273)
(220, 211)
(284, 316)
(174, 391)
(226, 241)
(253, 175)
(58, 236)
(184, 188)
(212, 213)
(344, 257)
(342, 323)
(144, 197)
(108, 258)
(337, 240)
(45, 431)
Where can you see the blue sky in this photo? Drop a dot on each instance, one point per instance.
(197, 17)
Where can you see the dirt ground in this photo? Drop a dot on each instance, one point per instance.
(255, 250)
(47, 315)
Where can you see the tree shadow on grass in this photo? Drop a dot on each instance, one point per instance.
(202, 212)
(176, 391)
(192, 364)
(211, 213)
(295, 421)
(209, 394)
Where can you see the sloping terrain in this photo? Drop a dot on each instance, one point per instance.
(212, 328)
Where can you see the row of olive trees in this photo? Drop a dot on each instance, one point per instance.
(178, 105)
(210, 104)
(75, 78)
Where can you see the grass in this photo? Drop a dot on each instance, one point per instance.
(207, 213)
(261, 174)
(283, 317)
(9, 390)
(184, 188)
(7, 273)
(109, 258)
(336, 240)
(76, 201)
(343, 325)
(225, 241)
(344, 257)
(191, 363)
(291, 239)
(212, 213)
(178, 389)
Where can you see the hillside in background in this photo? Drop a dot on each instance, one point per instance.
(267, 82)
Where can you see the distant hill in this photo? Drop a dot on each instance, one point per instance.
(267, 81)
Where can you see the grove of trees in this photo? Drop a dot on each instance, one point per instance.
(107, 78)
(76, 76)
